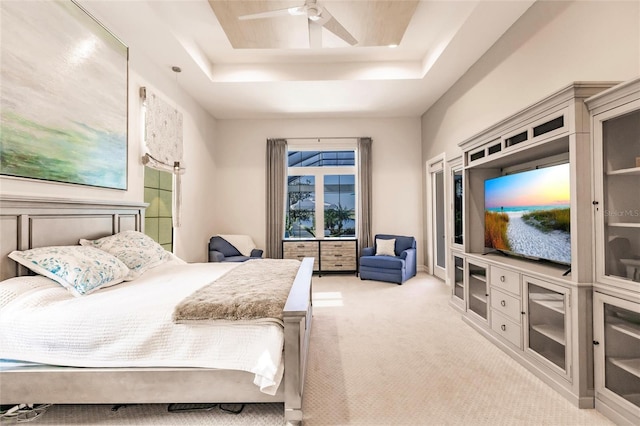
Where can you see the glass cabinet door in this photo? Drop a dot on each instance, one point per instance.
(478, 294)
(458, 213)
(547, 323)
(617, 141)
(455, 203)
(458, 278)
(619, 343)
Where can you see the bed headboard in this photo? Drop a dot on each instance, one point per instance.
(38, 222)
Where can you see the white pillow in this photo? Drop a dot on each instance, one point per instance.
(80, 270)
(135, 249)
(385, 247)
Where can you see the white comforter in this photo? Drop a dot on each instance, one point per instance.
(130, 325)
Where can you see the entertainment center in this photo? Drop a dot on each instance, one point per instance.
(535, 202)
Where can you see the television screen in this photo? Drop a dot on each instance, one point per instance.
(527, 214)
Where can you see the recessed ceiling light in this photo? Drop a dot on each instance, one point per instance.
(392, 46)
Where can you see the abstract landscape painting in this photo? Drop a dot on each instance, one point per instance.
(63, 98)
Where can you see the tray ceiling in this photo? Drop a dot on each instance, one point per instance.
(372, 23)
(266, 68)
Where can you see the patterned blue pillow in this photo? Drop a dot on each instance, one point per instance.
(135, 249)
(80, 270)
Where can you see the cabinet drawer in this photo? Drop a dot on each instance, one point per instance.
(338, 265)
(330, 258)
(507, 329)
(338, 255)
(506, 305)
(505, 279)
(344, 248)
(294, 250)
(300, 249)
(301, 246)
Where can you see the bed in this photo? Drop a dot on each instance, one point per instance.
(27, 223)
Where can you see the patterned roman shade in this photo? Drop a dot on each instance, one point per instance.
(163, 142)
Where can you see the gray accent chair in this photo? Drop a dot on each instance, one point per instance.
(221, 251)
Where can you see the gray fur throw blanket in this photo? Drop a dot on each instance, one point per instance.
(256, 289)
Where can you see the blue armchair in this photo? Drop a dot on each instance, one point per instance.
(221, 250)
(375, 264)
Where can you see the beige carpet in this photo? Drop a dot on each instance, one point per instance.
(383, 354)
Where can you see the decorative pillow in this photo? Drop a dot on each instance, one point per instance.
(385, 247)
(135, 249)
(80, 270)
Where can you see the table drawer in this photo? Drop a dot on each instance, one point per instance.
(506, 328)
(506, 305)
(505, 279)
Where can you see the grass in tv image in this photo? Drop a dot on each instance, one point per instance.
(495, 230)
(528, 214)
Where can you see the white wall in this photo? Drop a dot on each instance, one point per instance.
(199, 128)
(553, 44)
(240, 153)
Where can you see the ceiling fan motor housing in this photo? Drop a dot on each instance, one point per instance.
(313, 12)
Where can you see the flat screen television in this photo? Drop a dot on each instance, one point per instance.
(527, 214)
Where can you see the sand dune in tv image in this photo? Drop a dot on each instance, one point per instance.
(63, 96)
(528, 213)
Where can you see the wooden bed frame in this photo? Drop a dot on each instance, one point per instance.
(28, 223)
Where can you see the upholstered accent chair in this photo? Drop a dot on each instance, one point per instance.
(222, 250)
(391, 259)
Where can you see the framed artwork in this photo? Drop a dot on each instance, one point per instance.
(63, 98)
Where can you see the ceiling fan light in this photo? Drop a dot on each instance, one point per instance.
(314, 17)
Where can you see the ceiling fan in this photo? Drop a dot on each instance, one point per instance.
(317, 17)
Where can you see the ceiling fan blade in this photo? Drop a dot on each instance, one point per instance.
(291, 11)
(315, 34)
(330, 23)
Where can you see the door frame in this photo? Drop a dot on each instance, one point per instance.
(436, 165)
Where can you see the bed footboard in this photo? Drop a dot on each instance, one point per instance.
(298, 313)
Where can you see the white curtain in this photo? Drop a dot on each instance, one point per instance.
(163, 142)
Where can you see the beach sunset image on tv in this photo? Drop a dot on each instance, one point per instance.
(527, 213)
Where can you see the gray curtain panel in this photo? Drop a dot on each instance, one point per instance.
(365, 239)
(276, 187)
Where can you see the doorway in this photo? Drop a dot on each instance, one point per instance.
(437, 219)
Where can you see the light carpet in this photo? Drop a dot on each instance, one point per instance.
(383, 354)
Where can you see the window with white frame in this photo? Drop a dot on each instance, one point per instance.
(321, 189)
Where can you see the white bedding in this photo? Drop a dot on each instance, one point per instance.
(130, 325)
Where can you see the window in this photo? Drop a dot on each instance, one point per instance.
(301, 207)
(158, 192)
(321, 192)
